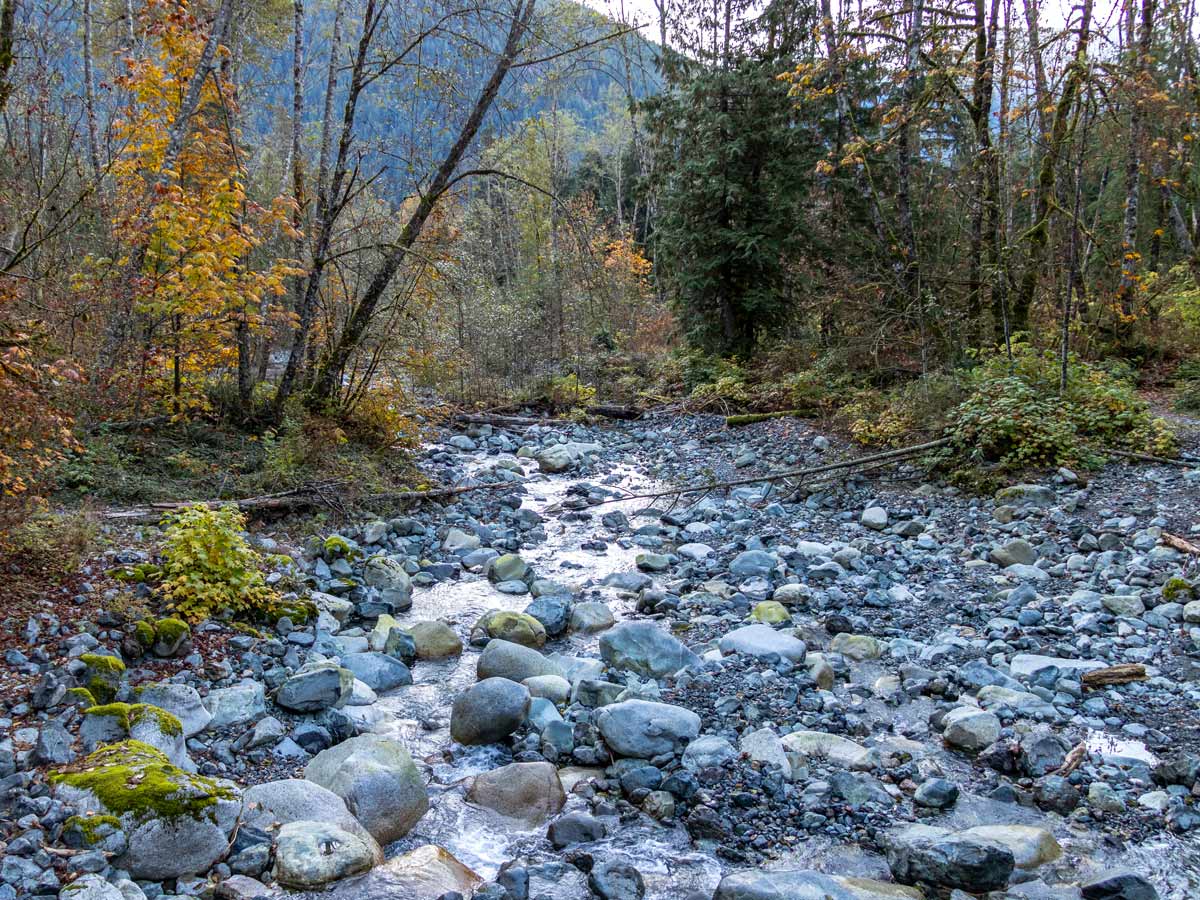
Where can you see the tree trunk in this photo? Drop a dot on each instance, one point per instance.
(89, 91)
(1133, 165)
(333, 363)
(1039, 232)
(8, 27)
(909, 139)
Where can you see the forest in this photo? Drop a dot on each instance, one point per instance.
(299, 226)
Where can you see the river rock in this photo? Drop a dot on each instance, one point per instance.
(507, 625)
(969, 728)
(378, 781)
(646, 649)
(923, 854)
(616, 880)
(311, 854)
(856, 646)
(509, 567)
(550, 687)
(643, 729)
(763, 640)
(176, 823)
(237, 705)
(180, 700)
(315, 687)
(504, 659)
(387, 575)
(91, 887)
(803, 884)
(298, 799)
(552, 610)
(421, 874)
(378, 671)
(1030, 846)
(709, 750)
(574, 828)
(1118, 885)
(489, 711)
(530, 792)
(435, 640)
(590, 617)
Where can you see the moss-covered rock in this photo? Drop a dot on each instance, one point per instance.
(95, 832)
(508, 625)
(770, 612)
(143, 633)
(176, 822)
(1178, 590)
(113, 722)
(103, 675)
(172, 637)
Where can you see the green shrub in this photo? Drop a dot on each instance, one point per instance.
(1187, 386)
(1015, 416)
(208, 568)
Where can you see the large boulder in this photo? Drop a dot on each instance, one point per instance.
(388, 577)
(508, 567)
(378, 671)
(180, 700)
(763, 640)
(176, 823)
(646, 649)
(833, 747)
(378, 781)
(804, 884)
(489, 711)
(318, 686)
(1030, 846)
(504, 659)
(530, 792)
(311, 854)
(923, 854)
(643, 729)
(91, 887)
(420, 874)
(296, 800)
(562, 457)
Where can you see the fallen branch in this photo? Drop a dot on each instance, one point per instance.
(1174, 540)
(627, 413)
(1148, 457)
(1122, 674)
(299, 498)
(498, 421)
(887, 456)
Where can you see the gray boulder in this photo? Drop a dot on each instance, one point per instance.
(180, 700)
(378, 671)
(923, 854)
(388, 577)
(311, 854)
(378, 781)
(237, 705)
(320, 686)
(504, 659)
(803, 884)
(646, 649)
(489, 711)
(91, 887)
(644, 729)
(530, 792)
(763, 640)
(298, 800)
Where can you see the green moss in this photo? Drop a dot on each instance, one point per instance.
(246, 629)
(89, 826)
(299, 611)
(144, 632)
(131, 714)
(133, 778)
(104, 663)
(104, 675)
(82, 696)
(169, 631)
(336, 545)
(1178, 589)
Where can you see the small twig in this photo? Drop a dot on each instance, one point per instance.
(1147, 457)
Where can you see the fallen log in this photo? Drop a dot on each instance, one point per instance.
(499, 421)
(1174, 540)
(627, 413)
(1121, 674)
(887, 456)
(299, 498)
(1150, 458)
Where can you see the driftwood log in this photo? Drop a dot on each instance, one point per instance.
(302, 497)
(1122, 674)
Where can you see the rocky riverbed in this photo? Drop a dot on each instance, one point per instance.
(866, 688)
